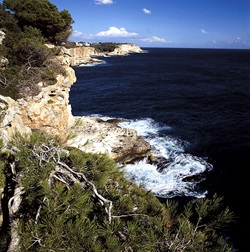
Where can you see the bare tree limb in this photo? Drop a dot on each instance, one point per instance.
(13, 206)
(3, 81)
(39, 210)
(99, 196)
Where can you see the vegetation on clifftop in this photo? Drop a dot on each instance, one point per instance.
(28, 25)
(105, 47)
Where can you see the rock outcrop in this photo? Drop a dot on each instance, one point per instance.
(97, 136)
(3, 62)
(125, 49)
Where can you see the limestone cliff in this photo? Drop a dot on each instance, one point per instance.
(80, 55)
(11, 120)
(85, 54)
(50, 112)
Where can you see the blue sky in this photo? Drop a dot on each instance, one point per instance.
(161, 23)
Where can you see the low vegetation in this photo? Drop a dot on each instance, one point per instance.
(62, 199)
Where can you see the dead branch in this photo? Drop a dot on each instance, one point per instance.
(13, 206)
(99, 196)
(3, 81)
(46, 153)
(39, 210)
(128, 215)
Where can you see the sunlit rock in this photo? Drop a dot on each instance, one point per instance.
(97, 136)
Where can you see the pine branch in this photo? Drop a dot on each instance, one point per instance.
(66, 170)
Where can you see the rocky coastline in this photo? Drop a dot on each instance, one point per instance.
(50, 112)
(81, 55)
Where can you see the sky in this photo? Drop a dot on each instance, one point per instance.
(161, 23)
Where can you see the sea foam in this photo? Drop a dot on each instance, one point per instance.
(92, 64)
(180, 173)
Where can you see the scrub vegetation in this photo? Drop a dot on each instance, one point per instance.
(62, 199)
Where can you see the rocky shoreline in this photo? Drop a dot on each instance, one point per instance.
(50, 112)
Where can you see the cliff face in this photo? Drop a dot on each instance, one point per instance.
(79, 55)
(11, 119)
(50, 112)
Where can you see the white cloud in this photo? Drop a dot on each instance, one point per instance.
(80, 35)
(154, 39)
(77, 33)
(203, 31)
(103, 1)
(116, 32)
(146, 11)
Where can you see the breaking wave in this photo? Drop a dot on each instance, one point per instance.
(174, 172)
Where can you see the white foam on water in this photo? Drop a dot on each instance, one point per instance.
(179, 173)
(92, 64)
(144, 127)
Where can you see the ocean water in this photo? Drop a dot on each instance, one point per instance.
(193, 106)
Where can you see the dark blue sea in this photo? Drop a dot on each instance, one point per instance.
(193, 106)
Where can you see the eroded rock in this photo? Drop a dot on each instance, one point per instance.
(96, 136)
